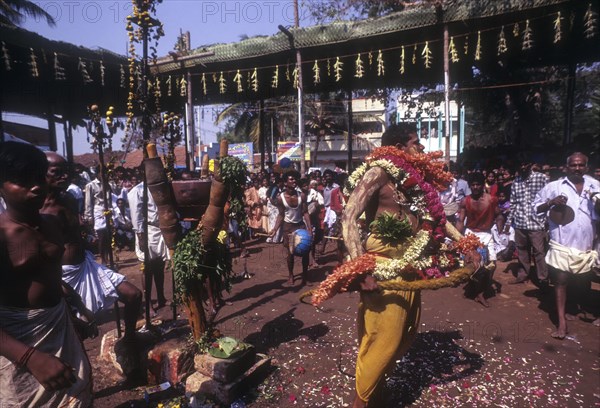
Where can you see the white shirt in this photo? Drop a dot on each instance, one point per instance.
(580, 233)
(314, 195)
(501, 240)
(262, 193)
(75, 191)
(136, 205)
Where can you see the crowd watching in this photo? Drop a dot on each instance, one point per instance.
(519, 213)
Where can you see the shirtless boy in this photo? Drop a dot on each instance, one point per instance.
(477, 214)
(42, 362)
(293, 215)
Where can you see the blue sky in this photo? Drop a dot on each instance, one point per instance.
(101, 24)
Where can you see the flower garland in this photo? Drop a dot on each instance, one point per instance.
(411, 174)
(341, 278)
(393, 268)
(417, 176)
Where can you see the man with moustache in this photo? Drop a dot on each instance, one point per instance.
(571, 249)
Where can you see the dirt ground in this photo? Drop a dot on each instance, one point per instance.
(464, 355)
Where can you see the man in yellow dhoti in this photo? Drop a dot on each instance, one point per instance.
(387, 320)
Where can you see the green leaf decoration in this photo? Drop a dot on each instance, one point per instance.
(391, 229)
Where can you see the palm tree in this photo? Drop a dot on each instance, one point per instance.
(244, 119)
(323, 118)
(13, 12)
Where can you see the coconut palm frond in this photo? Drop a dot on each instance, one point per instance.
(13, 12)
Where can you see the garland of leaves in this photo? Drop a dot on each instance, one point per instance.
(390, 229)
(190, 268)
(233, 173)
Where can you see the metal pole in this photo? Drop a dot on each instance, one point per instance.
(190, 122)
(261, 133)
(271, 158)
(146, 139)
(107, 198)
(446, 94)
(300, 97)
(350, 130)
(300, 113)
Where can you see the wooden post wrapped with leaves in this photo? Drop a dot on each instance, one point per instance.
(160, 188)
(212, 220)
(200, 255)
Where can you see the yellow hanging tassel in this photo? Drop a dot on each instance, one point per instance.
(275, 79)
(238, 80)
(5, 57)
(527, 37)
(169, 86)
(338, 68)
(452, 51)
(590, 23)
(316, 73)
(222, 84)
(380, 64)
(502, 48)
(295, 75)
(478, 47)
(254, 80)
(183, 87)
(427, 55)
(33, 64)
(402, 60)
(59, 72)
(360, 71)
(203, 81)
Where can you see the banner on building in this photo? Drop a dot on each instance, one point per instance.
(291, 150)
(244, 152)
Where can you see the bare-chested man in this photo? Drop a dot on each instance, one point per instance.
(293, 215)
(387, 320)
(477, 213)
(98, 286)
(42, 361)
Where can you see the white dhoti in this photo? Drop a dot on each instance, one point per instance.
(569, 259)
(95, 283)
(99, 221)
(50, 331)
(157, 247)
(487, 240)
(330, 217)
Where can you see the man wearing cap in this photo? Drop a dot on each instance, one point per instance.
(573, 208)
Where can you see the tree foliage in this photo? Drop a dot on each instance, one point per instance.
(324, 11)
(14, 12)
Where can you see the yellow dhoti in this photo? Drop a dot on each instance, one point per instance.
(387, 325)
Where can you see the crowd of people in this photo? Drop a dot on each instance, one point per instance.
(53, 222)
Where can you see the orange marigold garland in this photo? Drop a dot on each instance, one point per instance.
(342, 277)
(427, 164)
(467, 244)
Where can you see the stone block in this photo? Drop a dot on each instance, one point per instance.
(226, 393)
(225, 370)
(171, 360)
